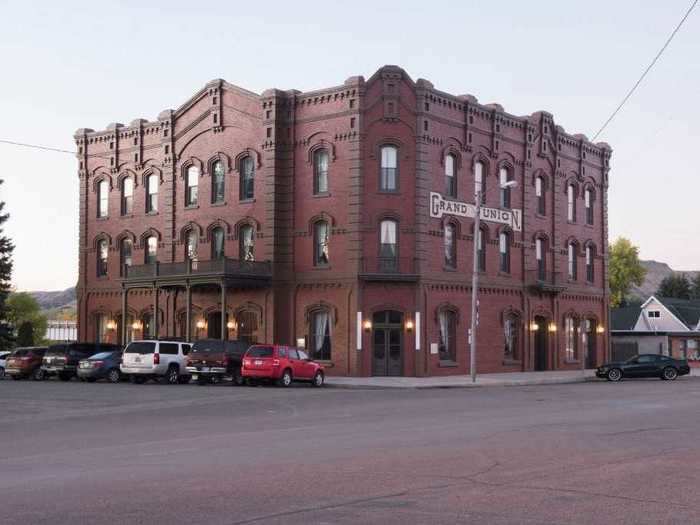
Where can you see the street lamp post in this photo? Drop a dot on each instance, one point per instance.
(475, 274)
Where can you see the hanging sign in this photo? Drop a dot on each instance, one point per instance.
(440, 206)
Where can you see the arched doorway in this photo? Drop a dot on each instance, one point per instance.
(590, 330)
(246, 326)
(541, 343)
(387, 343)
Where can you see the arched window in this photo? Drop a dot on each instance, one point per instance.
(191, 245)
(103, 198)
(481, 250)
(126, 248)
(320, 330)
(450, 246)
(590, 270)
(588, 200)
(217, 243)
(192, 186)
(246, 326)
(102, 254)
(504, 252)
(151, 255)
(539, 193)
(246, 239)
(247, 189)
(479, 180)
(503, 178)
(447, 346)
(571, 203)
(218, 183)
(572, 259)
(511, 336)
(570, 329)
(388, 179)
(541, 260)
(388, 246)
(321, 234)
(450, 176)
(152, 194)
(320, 171)
(148, 328)
(127, 196)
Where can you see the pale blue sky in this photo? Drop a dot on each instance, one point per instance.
(67, 65)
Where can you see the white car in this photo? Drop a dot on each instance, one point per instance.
(3, 360)
(151, 359)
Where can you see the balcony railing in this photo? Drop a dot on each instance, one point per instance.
(389, 268)
(546, 281)
(218, 268)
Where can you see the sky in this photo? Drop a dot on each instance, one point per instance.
(68, 65)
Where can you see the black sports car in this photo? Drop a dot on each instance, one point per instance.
(647, 365)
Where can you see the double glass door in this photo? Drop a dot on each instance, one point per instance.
(387, 354)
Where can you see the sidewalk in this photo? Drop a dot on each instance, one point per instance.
(464, 381)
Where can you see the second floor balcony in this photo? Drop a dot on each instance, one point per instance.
(403, 269)
(546, 281)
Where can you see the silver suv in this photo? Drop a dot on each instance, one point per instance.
(156, 359)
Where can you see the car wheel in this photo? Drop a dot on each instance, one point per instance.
(114, 376)
(172, 375)
(318, 380)
(614, 375)
(286, 379)
(670, 373)
(38, 375)
(237, 378)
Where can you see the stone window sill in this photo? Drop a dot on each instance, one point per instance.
(246, 201)
(321, 195)
(192, 207)
(214, 204)
(151, 213)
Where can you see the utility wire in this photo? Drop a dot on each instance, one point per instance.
(36, 146)
(656, 58)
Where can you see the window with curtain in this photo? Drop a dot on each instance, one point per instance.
(127, 196)
(217, 243)
(511, 331)
(447, 346)
(504, 252)
(573, 270)
(192, 186)
(450, 176)
(218, 183)
(102, 254)
(246, 241)
(103, 198)
(570, 337)
(125, 250)
(570, 203)
(321, 235)
(388, 180)
(191, 245)
(481, 250)
(320, 171)
(321, 335)
(540, 256)
(388, 247)
(539, 193)
(247, 189)
(450, 246)
(588, 201)
(151, 250)
(503, 178)
(152, 194)
(101, 328)
(479, 180)
(590, 272)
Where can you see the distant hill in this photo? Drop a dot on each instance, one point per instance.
(656, 272)
(56, 300)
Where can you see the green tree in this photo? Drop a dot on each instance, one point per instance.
(675, 285)
(624, 270)
(25, 334)
(23, 308)
(695, 287)
(6, 248)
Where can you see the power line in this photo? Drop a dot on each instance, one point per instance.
(636, 85)
(36, 146)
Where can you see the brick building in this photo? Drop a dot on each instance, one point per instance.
(339, 219)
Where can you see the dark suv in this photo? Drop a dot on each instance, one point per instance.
(62, 359)
(212, 359)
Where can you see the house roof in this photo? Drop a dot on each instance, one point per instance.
(687, 311)
(624, 318)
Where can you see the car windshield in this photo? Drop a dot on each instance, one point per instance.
(20, 353)
(209, 346)
(56, 351)
(260, 351)
(140, 348)
(101, 355)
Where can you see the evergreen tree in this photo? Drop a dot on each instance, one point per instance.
(6, 248)
(25, 334)
(695, 287)
(676, 286)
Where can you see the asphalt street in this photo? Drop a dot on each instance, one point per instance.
(581, 453)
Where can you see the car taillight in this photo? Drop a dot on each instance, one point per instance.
(246, 362)
(97, 364)
(156, 359)
(275, 362)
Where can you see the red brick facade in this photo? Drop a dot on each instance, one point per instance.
(281, 131)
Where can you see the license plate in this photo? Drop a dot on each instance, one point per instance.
(137, 359)
(258, 362)
(194, 377)
(204, 369)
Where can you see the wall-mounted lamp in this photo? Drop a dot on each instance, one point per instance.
(534, 326)
(367, 325)
(409, 325)
(552, 327)
(201, 324)
(231, 325)
(600, 329)
(137, 325)
(111, 325)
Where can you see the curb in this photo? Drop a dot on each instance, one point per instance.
(359, 386)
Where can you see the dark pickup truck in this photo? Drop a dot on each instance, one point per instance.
(62, 359)
(212, 360)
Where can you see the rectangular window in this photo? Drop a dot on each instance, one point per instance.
(450, 179)
(151, 250)
(247, 190)
(590, 276)
(539, 193)
(320, 172)
(321, 335)
(571, 341)
(479, 186)
(589, 207)
(654, 314)
(103, 198)
(539, 255)
(388, 249)
(572, 261)
(127, 196)
(571, 203)
(504, 250)
(191, 192)
(102, 253)
(321, 256)
(505, 192)
(389, 176)
(152, 194)
(447, 346)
